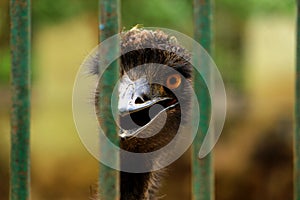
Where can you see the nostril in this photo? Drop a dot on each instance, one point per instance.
(142, 99)
(139, 100)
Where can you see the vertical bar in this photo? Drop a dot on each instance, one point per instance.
(202, 170)
(297, 114)
(20, 83)
(109, 25)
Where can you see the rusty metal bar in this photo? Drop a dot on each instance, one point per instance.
(109, 24)
(20, 43)
(202, 170)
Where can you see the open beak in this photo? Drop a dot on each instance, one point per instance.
(134, 105)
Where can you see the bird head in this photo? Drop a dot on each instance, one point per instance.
(154, 90)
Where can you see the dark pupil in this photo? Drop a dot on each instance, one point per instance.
(173, 81)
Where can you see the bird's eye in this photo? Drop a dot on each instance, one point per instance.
(173, 81)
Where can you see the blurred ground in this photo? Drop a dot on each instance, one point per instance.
(253, 158)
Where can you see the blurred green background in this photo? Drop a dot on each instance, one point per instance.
(254, 49)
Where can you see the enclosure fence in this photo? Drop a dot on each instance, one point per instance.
(297, 114)
(20, 82)
(109, 24)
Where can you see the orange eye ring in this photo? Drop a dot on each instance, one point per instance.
(173, 81)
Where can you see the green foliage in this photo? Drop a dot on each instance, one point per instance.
(166, 13)
(245, 8)
(5, 66)
(175, 14)
(45, 11)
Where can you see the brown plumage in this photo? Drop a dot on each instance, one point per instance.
(139, 47)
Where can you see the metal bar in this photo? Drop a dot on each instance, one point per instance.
(297, 115)
(109, 25)
(20, 43)
(202, 170)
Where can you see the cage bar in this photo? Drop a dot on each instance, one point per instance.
(20, 43)
(109, 23)
(202, 169)
(297, 114)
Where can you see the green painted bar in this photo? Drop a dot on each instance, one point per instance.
(297, 115)
(20, 115)
(109, 25)
(202, 170)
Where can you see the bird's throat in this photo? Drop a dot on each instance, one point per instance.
(139, 186)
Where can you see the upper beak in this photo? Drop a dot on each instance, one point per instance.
(134, 96)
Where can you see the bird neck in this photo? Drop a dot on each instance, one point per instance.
(138, 186)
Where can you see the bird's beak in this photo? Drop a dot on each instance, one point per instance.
(135, 100)
(134, 96)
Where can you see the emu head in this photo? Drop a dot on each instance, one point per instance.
(154, 91)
